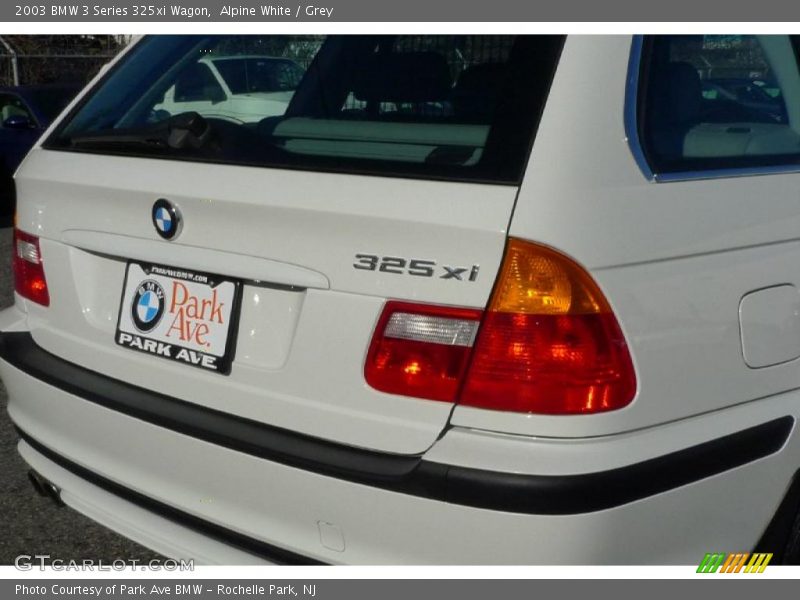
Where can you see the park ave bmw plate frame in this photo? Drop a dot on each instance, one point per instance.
(178, 314)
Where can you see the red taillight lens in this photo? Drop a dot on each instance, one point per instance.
(29, 280)
(421, 350)
(549, 342)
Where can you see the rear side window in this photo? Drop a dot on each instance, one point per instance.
(13, 106)
(719, 102)
(454, 107)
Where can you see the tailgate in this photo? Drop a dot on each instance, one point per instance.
(293, 240)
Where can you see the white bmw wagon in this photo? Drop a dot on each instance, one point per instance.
(467, 299)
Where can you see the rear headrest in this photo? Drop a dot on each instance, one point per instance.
(402, 77)
(679, 94)
(475, 95)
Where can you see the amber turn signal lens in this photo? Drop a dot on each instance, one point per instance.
(536, 280)
(549, 342)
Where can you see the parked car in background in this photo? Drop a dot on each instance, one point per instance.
(25, 112)
(239, 88)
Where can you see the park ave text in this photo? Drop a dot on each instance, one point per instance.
(165, 11)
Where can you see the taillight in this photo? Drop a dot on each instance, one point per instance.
(29, 280)
(549, 342)
(420, 350)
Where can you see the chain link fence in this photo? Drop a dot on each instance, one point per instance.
(41, 59)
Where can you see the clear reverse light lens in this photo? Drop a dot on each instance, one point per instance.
(431, 329)
(28, 252)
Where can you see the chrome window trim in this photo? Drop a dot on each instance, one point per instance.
(635, 145)
(726, 173)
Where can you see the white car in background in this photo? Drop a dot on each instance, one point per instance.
(240, 88)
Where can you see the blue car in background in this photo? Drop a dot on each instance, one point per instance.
(25, 112)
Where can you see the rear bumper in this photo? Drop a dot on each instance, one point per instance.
(291, 498)
(155, 525)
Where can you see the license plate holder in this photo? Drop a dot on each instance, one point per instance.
(182, 315)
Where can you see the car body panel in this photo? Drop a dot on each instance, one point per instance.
(331, 306)
(234, 489)
(674, 259)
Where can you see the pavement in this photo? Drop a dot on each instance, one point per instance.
(30, 524)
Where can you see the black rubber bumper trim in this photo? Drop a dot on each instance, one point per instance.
(267, 551)
(778, 537)
(510, 492)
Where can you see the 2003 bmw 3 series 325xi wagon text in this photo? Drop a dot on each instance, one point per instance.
(419, 299)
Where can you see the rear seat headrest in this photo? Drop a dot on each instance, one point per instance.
(679, 94)
(403, 77)
(676, 107)
(476, 92)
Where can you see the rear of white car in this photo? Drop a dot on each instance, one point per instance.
(391, 336)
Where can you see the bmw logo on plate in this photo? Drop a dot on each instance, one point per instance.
(148, 304)
(166, 219)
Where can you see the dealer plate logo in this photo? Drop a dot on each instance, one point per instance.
(181, 315)
(147, 306)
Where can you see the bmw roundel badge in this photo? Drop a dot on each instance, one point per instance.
(166, 219)
(147, 306)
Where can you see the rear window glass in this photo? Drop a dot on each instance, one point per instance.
(719, 102)
(455, 107)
